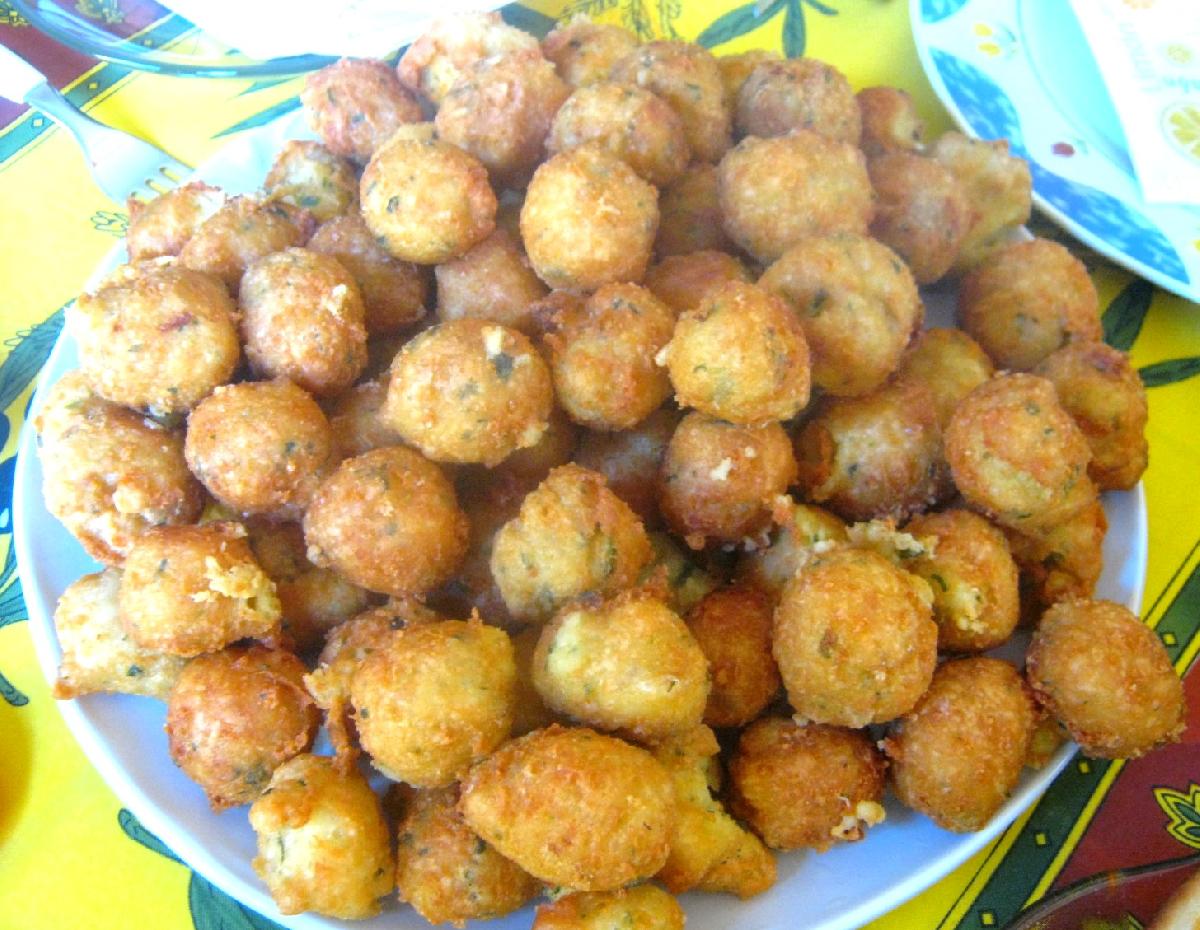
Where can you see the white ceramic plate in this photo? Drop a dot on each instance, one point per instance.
(1021, 70)
(124, 739)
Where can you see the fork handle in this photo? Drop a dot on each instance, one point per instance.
(17, 76)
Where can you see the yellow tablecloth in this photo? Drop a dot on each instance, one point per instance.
(71, 857)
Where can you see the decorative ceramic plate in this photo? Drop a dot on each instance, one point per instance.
(124, 739)
(1021, 70)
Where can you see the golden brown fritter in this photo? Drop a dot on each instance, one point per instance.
(854, 639)
(739, 355)
(775, 192)
(572, 536)
(434, 698)
(163, 225)
(690, 215)
(889, 121)
(858, 304)
(394, 293)
(683, 281)
(802, 531)
(958, 755)
(242, 231)
(584, 52)
(797, 93)
(638, 907)
(1060, 562)
(629, 460)
(98, 654)
(355, 105)
(156, 336)
(108, 473)
(388, 521)
(1026, 300)
(1101, 390)
(493, 281)
(323, 842)
(1107, 678)
(446, 872)
(500, 110)
(356, 418)
(1017, 455)
(602, 354)
(469, 391)
(307, 175)
(602, 820)
(736, 68)
(717, 479)
(588, 220)
(192, 589)
(426, 201)
(973, 578)
(875, 455)
(949, 363)
(628, 664)
(733, 627)
(228, 752)
(806, 785)
(632, 123)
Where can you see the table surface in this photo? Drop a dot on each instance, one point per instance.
(70, 856)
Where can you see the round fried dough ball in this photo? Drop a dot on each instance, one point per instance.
(775, 192)
(572, 535)
(1107, 678)
(950, 365)
(355, 105)
(739, 355)
(629, 460)
(469, 391)
(1101, 390)
(630, 122)
(858, 304)
(98, 655)
(438, 58)
(388, 521)
(683, 281)
(958, 755)
(313, 600)
(308, 175)
(998, 186)
(193, 589)
(159, 340)
(584, 52)
(241, 232)
(433, 699)
(733, 627)
(1060, 562)
(639, 907)
(530, 465)
(109, 474)
(446, 872)
(235, 716)
(690, 215)
(875, 455)
(531, 711)
(803, 530)
(303, 319)
(806, 785)
(588, 220)
(260, 447)
(164, 225)
(973, 578)
(1026, 300)
(889, 121)
(687, 77)
(356, 418)
(797, 93)
(854, 639)
(627, 664)
(500, 111)
(600, 821)
(393, 292)
(1017, 455)
(735, 69)
(921, 211)
(426, 202)
(494, 281)
(717, 479)
(602, 356)
(323, 842)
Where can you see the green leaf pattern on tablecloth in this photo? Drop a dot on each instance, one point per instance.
(1124, 317)
(1184, 813)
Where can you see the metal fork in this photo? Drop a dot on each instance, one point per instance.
(122, 165)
